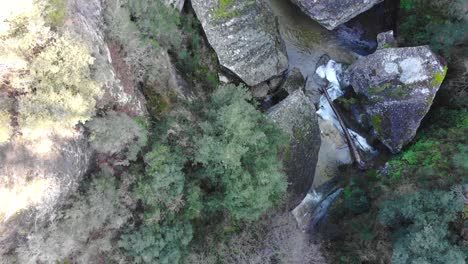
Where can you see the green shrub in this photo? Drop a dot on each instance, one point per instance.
(163, 27)
(61, 92)
(220, 162)
(158, 244)
(425, 236)
(156, 22)
(441, 24)
(355, 199)
(437, 154)
(51, 73)
(117, 133)
(56, 12)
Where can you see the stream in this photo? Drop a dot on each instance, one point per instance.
(306, 43)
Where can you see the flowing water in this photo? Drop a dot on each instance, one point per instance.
(306, 42)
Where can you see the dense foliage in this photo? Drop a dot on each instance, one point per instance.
(144, 27)
(424, 236)
(217, 162)
(441, 24)
(49, 74)
(401, 213)
(117, 133)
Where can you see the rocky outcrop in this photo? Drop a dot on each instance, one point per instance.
(332, 13)
(86, 20)
(177, 4)
(397, 87)
(294, 81)
(296, 116)
(386, 40)
(36, 177)
(245, 36)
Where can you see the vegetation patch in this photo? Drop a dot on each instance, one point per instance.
(441, 24)
(409, 205)
(439, 77)
(216, 165)
(56, 12)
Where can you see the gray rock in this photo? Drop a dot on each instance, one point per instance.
(398, 86)
(260, 90)
(245, 36)
(36, 178)
(332, 13)
(386, 40)
(294, 81)
(86, 22)
(296, 116)
(177, 4)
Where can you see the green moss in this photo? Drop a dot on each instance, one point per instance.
(346, 103)
(386, 46)
(439, 77)
(377, 123)
(223, 10)
(379, 89)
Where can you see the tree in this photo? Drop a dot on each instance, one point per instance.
(441, 24)
(217, 162)
(425, 236)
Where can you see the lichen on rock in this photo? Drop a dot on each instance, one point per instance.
(245, 36)
(398, 86)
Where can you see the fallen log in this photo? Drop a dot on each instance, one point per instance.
(352, 146)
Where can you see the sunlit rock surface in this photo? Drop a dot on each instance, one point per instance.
(398, 86)
(35, 178)
(245, 36)
(86, 20)
(296, 116)
(332, 13)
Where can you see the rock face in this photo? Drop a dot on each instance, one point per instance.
(35, 178)
(245, 36)
(86, 20)
(398, 86)
(386, 40)
(177, 4)
(332, 13)
(296, 116)
(294, 81)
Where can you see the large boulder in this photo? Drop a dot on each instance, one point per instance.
(332, 13)
(36, 177)
(397, 87)
(296, 116)
(245, 36)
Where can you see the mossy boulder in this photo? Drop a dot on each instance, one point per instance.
(398, 86)
(245, 36)
(296, 116)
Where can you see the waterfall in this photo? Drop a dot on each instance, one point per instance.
(331, 72)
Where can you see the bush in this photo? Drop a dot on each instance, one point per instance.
(117, 132)
(441, 24)
(51, 75)
(56, 12)
(425, 236)
(145, 27)
(221, 164)
(434, 158)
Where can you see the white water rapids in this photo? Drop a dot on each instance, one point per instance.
(331, 73)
